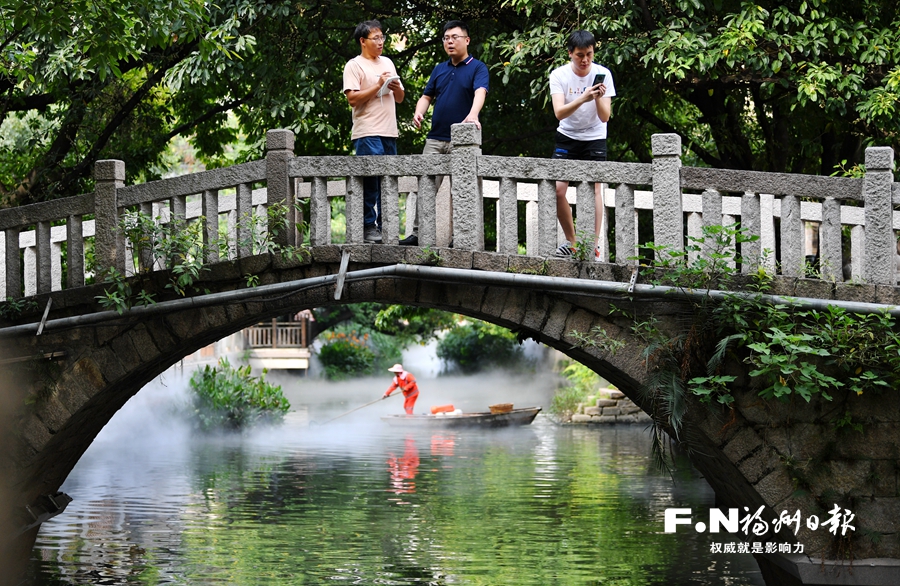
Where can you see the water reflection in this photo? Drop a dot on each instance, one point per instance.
(403, 469)
(533, 506)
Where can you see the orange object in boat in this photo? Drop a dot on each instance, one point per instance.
(441, 409)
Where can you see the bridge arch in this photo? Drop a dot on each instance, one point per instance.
(106, 363)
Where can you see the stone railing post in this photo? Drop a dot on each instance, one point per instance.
(467, 207)
(109, 240)
(668, 223)
(881, 247)
(279, 187)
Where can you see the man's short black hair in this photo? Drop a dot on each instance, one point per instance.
(581, 40)
(455, 24)
(364, 28)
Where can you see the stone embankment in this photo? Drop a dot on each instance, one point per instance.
(609, 406)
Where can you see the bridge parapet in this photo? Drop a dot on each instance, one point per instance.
(777, 207)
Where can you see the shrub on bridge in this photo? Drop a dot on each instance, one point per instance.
(230, 398)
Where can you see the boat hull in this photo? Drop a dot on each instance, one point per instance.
(512, 418)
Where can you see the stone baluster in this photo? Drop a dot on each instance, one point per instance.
(626, 226)
(390, 210)
(243, 208)
(13, 263)
(355, 210)
(830, 257)
(507, 222)
(881, 248)
(426, 206)
(668, 221)
(210, 207)
(467, 208)
(750, 223)
(43, 250)
(319, 212)
(279, 186)
(792, 237)
(712, 217)
(547, 219)
(587, 211)
(74, 252)
(109, 240)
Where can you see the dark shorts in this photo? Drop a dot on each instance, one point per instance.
(579, 150)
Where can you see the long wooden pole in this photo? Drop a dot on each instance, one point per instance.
(357, 409)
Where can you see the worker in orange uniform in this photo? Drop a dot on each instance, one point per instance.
(406, 382)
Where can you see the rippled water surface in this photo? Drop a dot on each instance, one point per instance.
(359, 502)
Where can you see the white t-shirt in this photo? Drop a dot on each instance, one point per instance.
(378, 116)
(584, 123)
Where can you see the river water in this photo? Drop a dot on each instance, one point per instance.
(358, 502)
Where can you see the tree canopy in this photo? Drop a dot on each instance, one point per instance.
(781, 86)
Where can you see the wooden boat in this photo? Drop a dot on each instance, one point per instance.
(515, 417)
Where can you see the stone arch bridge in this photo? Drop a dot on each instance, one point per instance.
(69, 365)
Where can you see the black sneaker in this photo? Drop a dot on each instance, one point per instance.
(372, 234)
(565, 250)
(411, 240)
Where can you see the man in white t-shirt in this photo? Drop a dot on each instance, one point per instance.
(581, 92)
(374, 116)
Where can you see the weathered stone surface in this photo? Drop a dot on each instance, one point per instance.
(556, 322)
(488, 261)
(516, 304)
(775, 486)
(494, 301)
(52, 412)
(605, 419)
(455, 258)
(467, 296)
(536, 308)
(578, 321)
(384, 254)
(759, 464)
(612, 411)
(326, 253)
(530, 265)
(813, 288)
(742, 445)
(607, 403)
(885, 476)
(877, 442)
(615, 394)
(560, 267)
(882, 514)
(592, 411)
(581, 418)
(854, 292)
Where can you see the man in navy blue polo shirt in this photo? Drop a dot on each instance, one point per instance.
(458, 88)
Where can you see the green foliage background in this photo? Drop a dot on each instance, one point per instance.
(801, 85)
(477, 345)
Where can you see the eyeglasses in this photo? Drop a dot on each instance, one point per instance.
(454, 38)
(377, 39)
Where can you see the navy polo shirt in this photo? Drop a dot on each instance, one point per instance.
(452, 90)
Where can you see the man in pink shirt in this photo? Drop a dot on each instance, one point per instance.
(374, 113)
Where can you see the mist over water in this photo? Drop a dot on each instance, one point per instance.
(354, 499)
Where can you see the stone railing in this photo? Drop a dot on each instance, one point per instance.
(43, 241)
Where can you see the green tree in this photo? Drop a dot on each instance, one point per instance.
(477, 345)
(780, 86)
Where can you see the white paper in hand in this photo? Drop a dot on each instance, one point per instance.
(384, 87)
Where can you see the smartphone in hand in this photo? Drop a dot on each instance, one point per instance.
(599, 78)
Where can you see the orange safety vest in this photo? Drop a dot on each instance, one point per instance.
(406, 382)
